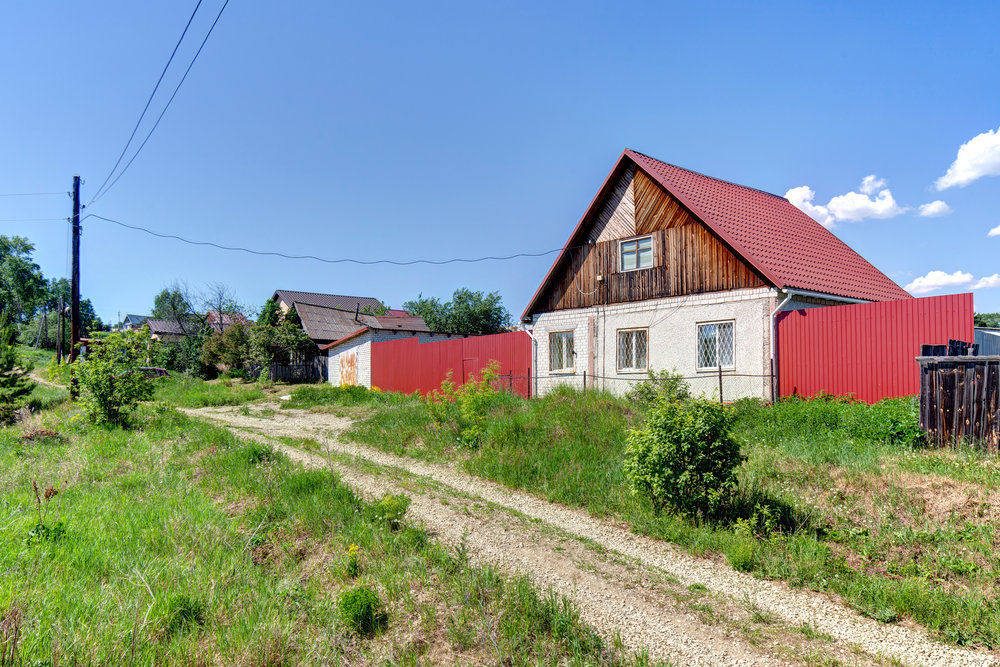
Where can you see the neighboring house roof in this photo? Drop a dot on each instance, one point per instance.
(329, 300)
(135, 319)
(333, 324)
(172, 327)
(212, 317)
(790, 249)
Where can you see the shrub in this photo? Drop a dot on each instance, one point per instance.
(361, 610)
(466, 408)
(685, 457)
(14, 383)
(112, 382)
(665, 385)
(391, 509)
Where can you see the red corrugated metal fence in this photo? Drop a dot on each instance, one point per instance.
(407, 365)
(867, 349)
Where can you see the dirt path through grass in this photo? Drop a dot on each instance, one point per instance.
(644, 589)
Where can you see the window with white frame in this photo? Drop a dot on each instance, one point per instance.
(561, 351)
(636, 253)
(716, 346)
(632, 349)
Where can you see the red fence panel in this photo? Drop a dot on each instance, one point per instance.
(408, 365)
(867, 349)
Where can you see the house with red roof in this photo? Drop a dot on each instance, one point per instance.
(669, 269)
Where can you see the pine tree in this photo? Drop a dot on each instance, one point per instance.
(14, 382)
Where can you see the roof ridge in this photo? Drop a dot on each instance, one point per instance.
(698, 173)
(348, 296)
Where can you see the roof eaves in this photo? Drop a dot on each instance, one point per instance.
(345, 338)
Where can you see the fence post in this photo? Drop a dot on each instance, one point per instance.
(720, 382)
(585, 380)
(510, 382)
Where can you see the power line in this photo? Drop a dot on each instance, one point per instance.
(29, 194)
(344, 260)
(162, 113)
(148, 102)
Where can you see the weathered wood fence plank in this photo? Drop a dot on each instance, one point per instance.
(960, 400)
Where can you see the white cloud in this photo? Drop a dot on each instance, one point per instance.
(934, 209)
(872, 184)
(995, 231)
(977, 157)
(988, 281)
(856, 206)
(801, 197)
(851, 207)
(936, 280)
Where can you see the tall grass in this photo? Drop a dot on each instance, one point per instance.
(820, 500)
(190, 392)
(179, 543)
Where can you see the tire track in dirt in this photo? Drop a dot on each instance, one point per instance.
(665, 636)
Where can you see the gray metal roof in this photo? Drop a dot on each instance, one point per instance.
(330, 324)
(329, 300)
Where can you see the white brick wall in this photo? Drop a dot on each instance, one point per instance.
(672, 325)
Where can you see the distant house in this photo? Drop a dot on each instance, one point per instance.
(170, 331)
(672, 269)
(133, 322)
(371, 305)
(213, 320)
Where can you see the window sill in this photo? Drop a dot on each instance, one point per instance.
(563, 371)
(633, 371)
(715, 369)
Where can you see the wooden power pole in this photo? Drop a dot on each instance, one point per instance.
(74, 323)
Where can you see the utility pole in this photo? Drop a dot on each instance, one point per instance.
(74, 326)
(59, 331)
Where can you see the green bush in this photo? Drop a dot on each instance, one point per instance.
(361, 610)
(391, 509)
(112, 382)
(665, 385)
(15, 386)
(685, 457)
(466, 409)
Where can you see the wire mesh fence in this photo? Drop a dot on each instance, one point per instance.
(724, 386)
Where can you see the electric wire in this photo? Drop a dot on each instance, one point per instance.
(342, 260)
(148, 102)
(167, 106)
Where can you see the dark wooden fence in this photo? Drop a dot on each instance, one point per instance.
(300, 368)
(960, 400)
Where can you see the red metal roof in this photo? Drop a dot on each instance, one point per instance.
(788, 247)
(782, 242)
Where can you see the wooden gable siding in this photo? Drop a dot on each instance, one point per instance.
(616, 218)
(688, 258)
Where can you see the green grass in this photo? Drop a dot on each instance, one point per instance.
(190, 392)
(836, 496)
(322, 395)
(179, 543)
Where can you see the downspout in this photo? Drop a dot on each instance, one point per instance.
(534, 362)
(774, 361)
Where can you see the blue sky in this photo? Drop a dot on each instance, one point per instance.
(439, 130)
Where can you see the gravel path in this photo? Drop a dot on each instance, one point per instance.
(642, 620)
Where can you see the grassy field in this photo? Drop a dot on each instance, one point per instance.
(834, 496)
(177, 543)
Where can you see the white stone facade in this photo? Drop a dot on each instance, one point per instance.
(671, 326)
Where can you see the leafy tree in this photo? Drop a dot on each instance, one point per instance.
(991, 320)
(112, 382)
(176, 303)
(22, 286)
(270, 314)
(14, 383)
(276, 344)
(469, 312)
(230, 347)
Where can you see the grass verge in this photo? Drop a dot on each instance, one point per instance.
(182, 544)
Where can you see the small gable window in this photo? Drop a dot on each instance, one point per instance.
(636, 253)
(561, 351)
